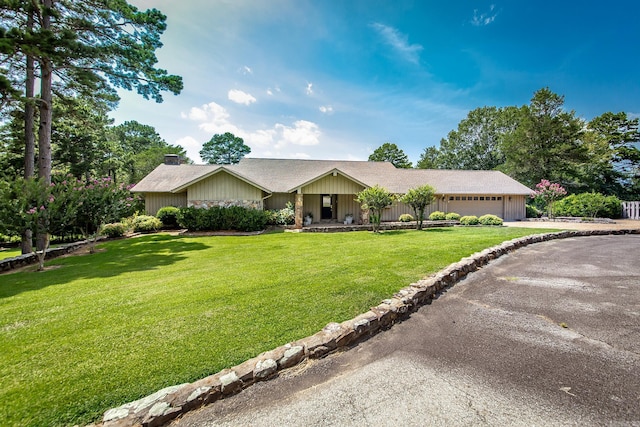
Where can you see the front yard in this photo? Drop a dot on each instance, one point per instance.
(96, 331)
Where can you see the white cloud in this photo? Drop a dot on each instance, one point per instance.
(399, 42)
(213, 118)
(309, 90)
(300, 156)
(482, 19)
(241, 97)
(269, 92)
(303, 132)
(326, 109)
(247, 70)
(192, 146)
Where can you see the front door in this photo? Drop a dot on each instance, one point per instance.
(327, 207)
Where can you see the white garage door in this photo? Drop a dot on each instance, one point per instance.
(476, 205)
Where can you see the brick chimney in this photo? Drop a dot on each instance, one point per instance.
(171, 159)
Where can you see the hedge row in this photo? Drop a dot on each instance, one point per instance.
(216, 218)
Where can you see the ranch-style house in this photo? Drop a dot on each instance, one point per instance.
(327, 188)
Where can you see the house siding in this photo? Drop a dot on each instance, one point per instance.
(348, 205)
(279, 200)
(515, 208)
(332, 185)
(224, 190)
(154, 201)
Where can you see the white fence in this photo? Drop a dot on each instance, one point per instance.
(631, 210)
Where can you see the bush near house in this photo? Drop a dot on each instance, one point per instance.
(437, 216)
(533, 212)
(469, 220)
(284, 216)
(405, 218)
(235, 218)
(489, 219)
(146, 224)
(116, 229)
(168, 215)
(589, 205)
(452, 216)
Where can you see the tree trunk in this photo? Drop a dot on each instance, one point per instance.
(29, 136)
(46, 107)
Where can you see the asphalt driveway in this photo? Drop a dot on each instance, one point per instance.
(547, 335)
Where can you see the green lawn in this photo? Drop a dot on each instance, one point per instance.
(149, 312)
(9, 253)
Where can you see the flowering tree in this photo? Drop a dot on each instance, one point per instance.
(375, 199)
(548, 192)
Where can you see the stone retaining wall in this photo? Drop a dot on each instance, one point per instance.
(28, 259)
(384, 226)
(167, 404)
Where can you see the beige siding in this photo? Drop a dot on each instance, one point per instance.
(223, 186)
(311, 203)
(393, 213)
(347, 205)
(332, 185)
(279, 200)
(514, 208)
(468, 205)
(154, 201)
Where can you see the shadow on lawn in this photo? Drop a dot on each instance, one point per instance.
(111, 259)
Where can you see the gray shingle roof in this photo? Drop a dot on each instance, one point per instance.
(285, 175)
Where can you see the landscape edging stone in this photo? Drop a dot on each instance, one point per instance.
(333, 337)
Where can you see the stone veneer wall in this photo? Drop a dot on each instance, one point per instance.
(168, 403)
(250, 204)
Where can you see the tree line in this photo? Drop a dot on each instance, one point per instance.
(540, 141)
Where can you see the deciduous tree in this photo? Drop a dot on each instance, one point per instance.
(419, 198)
(375, 199)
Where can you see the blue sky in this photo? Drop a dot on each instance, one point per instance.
(335, 79)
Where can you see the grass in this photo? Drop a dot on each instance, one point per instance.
(142, 314)
(9, 253)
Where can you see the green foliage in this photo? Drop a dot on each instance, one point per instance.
(591, 205)
(532, 211)
(469, 220)
(546, 194)
(489, 219)
(452, 216)
(236, 218)
(116, 229)
(389, 152)
(419, 198)
(437, 216)
(375, 199)
(405, 218)
(476, 144)
(168, 215)
(225, 149)
(146, 224)
(284, 216)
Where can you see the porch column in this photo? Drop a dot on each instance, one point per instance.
(298, 208)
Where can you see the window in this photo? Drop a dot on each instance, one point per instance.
(475, 197)
(481, 197)
(493, 197)
(499, 197)
(450, 197)
(457, 197)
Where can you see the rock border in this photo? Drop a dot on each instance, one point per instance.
(171, 402)
(19, 261)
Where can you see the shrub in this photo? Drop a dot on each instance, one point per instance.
(216, 218)
(284, 216)
(9, 239)
(437, 216)
(452, 216)
(469, 220)
(533, 212)
(589, 205)
(489, 219)
(168, 215)
(405, 218)
(146, 224)
(116, 229)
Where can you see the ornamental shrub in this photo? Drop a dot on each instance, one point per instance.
(405, 218)
(469, 220)
(489, 219)
(437, 216)
(146, 224)
(168, 215)
(115, 229)
(533, 212)
(591, 205)
(284, 216)
(452, 216)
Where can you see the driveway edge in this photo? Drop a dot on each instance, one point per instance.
(169, 403)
